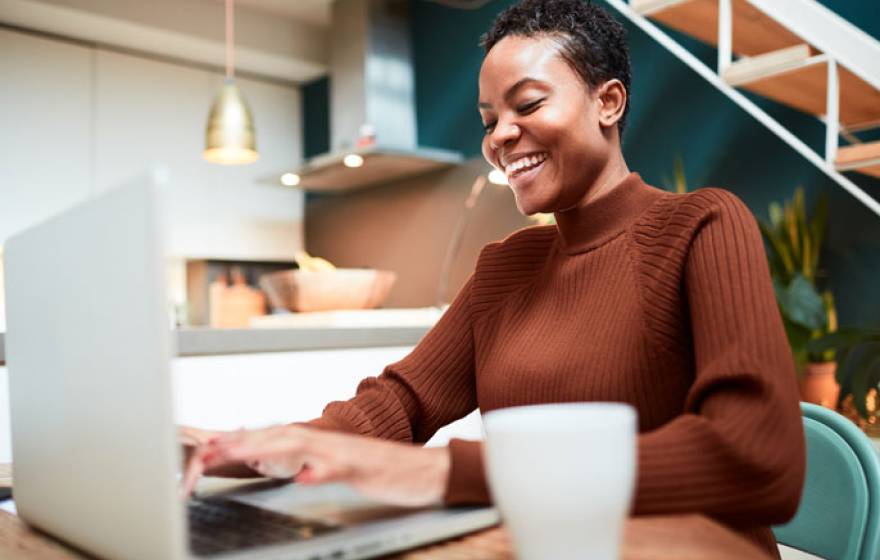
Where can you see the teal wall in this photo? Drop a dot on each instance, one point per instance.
(315, 99)
(674, 113)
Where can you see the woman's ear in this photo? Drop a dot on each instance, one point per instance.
(612, 102)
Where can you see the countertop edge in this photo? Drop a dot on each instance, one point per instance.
(210, 342)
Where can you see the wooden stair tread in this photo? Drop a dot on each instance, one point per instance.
(754, 32)
(749, 69)
(803, 86)
(761, 38)
(864, 158)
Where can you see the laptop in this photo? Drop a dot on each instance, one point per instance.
(97, 461)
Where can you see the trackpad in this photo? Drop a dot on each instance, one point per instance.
(335, 503)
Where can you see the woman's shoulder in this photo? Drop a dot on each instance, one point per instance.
(717, 200)
(523, 247)
(532, 236)
(664, 236)
(513, 262)
(679, 214)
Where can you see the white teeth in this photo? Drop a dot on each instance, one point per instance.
(523, 163)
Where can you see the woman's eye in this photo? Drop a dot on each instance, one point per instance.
(526, 108)
(488, 126)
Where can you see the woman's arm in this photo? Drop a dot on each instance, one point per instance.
(407, 403)
(414, 397)
(737, 450)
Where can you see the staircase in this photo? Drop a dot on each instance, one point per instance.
(795, 52)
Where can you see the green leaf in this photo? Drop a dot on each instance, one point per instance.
(776, 215)
(801, 303)
(843, 373)
(865, 376)
(680, 180)
(781, 260)
(777, 268)
(807, 259)
(798, 337)
(791, 230)
(817, 226)
(845, 337)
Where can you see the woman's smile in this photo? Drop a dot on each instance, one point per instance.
(522, 170)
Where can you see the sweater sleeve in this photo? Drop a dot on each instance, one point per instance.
(737, 450)
(414, 397)
(435, 384)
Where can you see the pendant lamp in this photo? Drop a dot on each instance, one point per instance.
(229, 136)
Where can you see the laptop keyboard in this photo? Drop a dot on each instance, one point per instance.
(218, 525)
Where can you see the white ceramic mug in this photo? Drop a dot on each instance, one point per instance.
(562, 476)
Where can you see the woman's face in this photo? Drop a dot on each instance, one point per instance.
(544, 128)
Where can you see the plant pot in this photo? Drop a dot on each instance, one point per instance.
(818, 385)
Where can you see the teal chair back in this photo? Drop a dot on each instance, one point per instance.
(839, 514)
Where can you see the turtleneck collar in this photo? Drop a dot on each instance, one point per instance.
(590, 226)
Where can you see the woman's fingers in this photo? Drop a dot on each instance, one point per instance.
(272, 452)
(269, 444)
(195, 466)
(275, 468)
(195, 436)
(387, 471)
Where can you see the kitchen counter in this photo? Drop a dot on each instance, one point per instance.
(207, 341)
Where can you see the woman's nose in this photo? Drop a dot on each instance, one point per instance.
(503, 133)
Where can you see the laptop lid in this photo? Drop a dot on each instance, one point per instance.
(88, 348)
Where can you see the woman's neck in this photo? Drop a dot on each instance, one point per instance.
(611, 175)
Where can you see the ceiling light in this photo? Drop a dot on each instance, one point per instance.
(353, 160)
(497, 177)
(229, 136)
(290, 179)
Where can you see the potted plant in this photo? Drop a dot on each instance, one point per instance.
(794, 243)
(858, 356)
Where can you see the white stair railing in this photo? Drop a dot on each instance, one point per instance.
(839, 41)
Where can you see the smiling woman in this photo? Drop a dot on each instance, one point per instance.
(659, 300)
(553, 103)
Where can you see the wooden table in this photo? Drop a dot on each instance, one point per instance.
(687, 537)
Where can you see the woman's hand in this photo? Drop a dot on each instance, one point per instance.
(390, 472)
(192, 439)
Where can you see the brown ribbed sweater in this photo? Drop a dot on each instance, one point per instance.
(659, 300)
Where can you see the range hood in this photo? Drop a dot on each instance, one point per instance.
(372, 83)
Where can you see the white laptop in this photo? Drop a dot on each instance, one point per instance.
(97, 461)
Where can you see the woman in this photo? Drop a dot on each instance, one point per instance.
(663, 301)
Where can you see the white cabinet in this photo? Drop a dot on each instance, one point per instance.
(5, 431)
(75, 121)
(45, 128)
(253, 390)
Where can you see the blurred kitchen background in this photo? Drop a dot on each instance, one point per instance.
(98, 93)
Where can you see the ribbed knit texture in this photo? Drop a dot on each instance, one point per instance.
(659, 300)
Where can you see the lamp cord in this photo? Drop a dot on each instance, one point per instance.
(230, 30)
(455, 240)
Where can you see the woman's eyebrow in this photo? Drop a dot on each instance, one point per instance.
(511, 91)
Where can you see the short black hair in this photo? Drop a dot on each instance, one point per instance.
(591, 41)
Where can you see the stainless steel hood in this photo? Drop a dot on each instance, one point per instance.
(372, 82)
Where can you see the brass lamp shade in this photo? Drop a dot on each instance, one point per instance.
(229, 137)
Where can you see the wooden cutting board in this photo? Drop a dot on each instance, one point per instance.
(233, 305)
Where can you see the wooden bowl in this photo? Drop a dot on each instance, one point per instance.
(324, 290)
